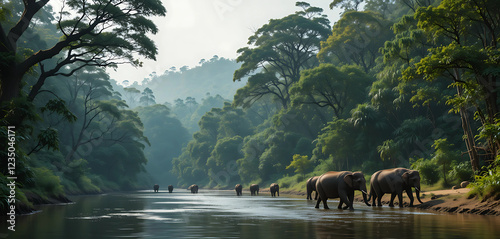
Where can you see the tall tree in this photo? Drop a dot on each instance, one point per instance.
(356, 39)
(327, 86)
(147, 97)
(469, 60)
(281, 49)
(97, 33)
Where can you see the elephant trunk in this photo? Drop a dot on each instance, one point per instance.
(363, 190)
(417, 192)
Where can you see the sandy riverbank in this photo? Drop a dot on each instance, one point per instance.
(456, 201)
(452, 201)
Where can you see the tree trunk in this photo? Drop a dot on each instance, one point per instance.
(10, 84)
(469, 136)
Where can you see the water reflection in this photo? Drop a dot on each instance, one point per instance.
(220, 214)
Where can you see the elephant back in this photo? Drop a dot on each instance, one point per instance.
(330, 182)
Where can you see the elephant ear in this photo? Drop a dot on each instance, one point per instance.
(348, 180)
(406, 178)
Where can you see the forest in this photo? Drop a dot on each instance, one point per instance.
(392, 83)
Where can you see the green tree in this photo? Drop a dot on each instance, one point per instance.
(222, 158)
(300, 163)
(347, 5)
(86, 39)
(279, 51)
(356, 39)
(147, 97)
(131, 95)
(468, 60)
(337, 141)
(388, 151)
(444, 156)
(327, 86)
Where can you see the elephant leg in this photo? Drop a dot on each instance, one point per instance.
(391, 203)
(316, 197)
(400, 197)
(379, 199)
(351, 200)
(340, 204)
(343, 197)
(324, 203)
(317, 203)
(410, 196)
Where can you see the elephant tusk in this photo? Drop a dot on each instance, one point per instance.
(417, 189)
(363, 191)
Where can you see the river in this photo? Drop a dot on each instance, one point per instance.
(221, 214)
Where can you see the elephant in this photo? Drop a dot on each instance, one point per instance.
(394, 181)
(254, 189)
(193, 188)
(156, 188)
(311, 186)
(275, 189)
(170, 188)
(340, 185)
(238, 189)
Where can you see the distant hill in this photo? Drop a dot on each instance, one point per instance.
(214, 76)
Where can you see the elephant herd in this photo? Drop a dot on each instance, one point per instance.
(156, 188)
(254, 189)
(342, 185)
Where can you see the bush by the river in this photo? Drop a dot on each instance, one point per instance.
(487, 185)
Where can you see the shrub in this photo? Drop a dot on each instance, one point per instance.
(428, 169)
(46, 181)
(462, 172)
(487, 185)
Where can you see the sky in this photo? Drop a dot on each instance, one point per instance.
(199, 29)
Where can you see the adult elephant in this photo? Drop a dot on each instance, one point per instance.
(311, 187)
(340, 185)
(170, 188)
(193, 188)
(275, 189)
(394, 181)
(238, 188)
(254, 189)
(156, 188)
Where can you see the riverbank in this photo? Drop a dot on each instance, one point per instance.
(37, 200)
(457, 201)
(451, 201)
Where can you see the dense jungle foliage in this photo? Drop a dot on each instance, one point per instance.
(392, 83)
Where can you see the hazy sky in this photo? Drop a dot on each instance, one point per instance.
(197, 29)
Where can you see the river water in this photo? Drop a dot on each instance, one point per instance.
(221, 214)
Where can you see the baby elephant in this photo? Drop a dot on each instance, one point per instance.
(340, 185)
(170, 188)
(156, 188)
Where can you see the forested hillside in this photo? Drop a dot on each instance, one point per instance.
(392, 83)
